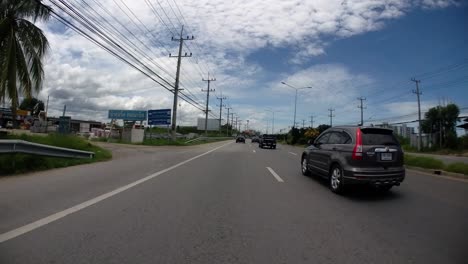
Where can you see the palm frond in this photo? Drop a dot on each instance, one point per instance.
(23, 72)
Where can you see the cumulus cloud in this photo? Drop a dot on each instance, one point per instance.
(89, 80)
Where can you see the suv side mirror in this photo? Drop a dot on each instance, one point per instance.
(310, 142)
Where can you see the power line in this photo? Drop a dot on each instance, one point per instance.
(113, 48)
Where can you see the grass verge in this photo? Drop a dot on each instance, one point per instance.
(424, 162)
(432, 163)
(21, 163)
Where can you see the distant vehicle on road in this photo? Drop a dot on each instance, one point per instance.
(267, 141)
(355, 155)
(240, 139)
(255, 139)
(9, 125)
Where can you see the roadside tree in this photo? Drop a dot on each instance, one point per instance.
(22, 47)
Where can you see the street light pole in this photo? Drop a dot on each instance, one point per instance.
(273, 120)
(295, 100)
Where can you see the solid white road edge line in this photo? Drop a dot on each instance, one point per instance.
(51, 218)
(277, 177)
(293, 153)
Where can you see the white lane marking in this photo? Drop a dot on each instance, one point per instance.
(277, 177)
(293, 153)
(253, 150)
(54, 217)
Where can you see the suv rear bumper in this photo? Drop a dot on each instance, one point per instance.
(387, 177)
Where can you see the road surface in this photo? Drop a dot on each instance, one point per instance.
(224, 203)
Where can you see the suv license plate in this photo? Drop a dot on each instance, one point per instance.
(386, 156)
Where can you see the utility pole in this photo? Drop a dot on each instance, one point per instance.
(362, 109)
(236, 123)
(247, 124)
(312, 121)
(303, 123)
(227, 121)
(176, 86)
(232, 121)
(418, 93)
(207, 100)
(220, 110)
(331, 115)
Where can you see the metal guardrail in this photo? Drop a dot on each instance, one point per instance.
(21, 146)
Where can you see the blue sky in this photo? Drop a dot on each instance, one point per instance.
(423, 41)
(343, 49)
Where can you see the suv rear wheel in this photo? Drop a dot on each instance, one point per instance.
(304, 169)
(336, 179)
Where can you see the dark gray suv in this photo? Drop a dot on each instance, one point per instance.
(355, 155)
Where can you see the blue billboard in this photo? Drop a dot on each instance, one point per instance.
(159, 117)
(130, 115)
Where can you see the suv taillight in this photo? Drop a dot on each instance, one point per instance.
(357, 151)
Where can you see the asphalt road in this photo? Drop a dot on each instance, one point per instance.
(219, 203)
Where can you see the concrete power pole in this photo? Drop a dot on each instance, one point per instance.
(176, 86)
(227, 121)
(303, 123)
(331, 116)
(312, 121)
(237, 123)
(220, 110)
(207, 100)
(232, 121)
(418, 93)
(362, 109)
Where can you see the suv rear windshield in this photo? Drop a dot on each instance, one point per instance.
(372, 136)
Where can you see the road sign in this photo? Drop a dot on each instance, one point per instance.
(130, 115)
(159, 117)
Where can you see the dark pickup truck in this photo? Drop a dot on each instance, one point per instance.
(267, 141)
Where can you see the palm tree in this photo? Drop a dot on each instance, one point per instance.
(22, 47)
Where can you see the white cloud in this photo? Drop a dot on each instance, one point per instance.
(439, 3)
(90, 81)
